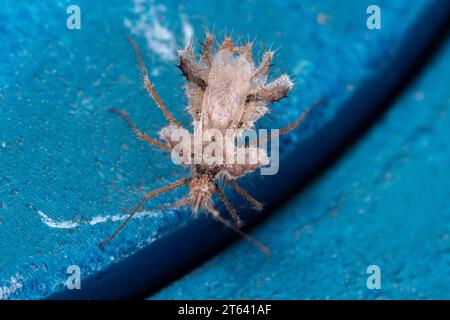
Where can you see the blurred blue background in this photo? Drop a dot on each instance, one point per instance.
(69, 169)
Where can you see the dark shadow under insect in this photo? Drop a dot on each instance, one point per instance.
(225, 90)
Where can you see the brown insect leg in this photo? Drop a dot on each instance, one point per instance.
(148, 196)
(225, 222)
(149, 85)
(297, 122)
(255, 203)
(138, 132)
(231, 210)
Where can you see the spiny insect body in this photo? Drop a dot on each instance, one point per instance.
(225, 90)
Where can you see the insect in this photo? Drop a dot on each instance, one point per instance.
(225, 90)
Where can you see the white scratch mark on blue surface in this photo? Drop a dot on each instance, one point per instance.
(54, 224)
(188, 30)
(69, 224)
(14, 285)
(160, 39)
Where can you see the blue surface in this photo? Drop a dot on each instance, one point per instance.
(385, 203)
(64, 157)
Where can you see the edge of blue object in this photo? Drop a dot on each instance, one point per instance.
(138, 276)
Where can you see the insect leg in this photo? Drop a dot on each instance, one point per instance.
(216, 215)
(231, 210)
(297, 122)
(276, 90)
(148, 196)
(256, 204)
(149, 85)
(138, 132)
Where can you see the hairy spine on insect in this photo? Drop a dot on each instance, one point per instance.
(225, 90)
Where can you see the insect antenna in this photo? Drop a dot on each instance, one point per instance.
(174, 205)
(148, 196)
(149, 85)
(225, 222)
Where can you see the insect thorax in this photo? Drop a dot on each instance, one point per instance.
(209, 171)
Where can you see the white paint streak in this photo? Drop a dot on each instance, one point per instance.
(54, 224)
(14, 285)
(160, 39)
(188, 30)
(69, 224)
